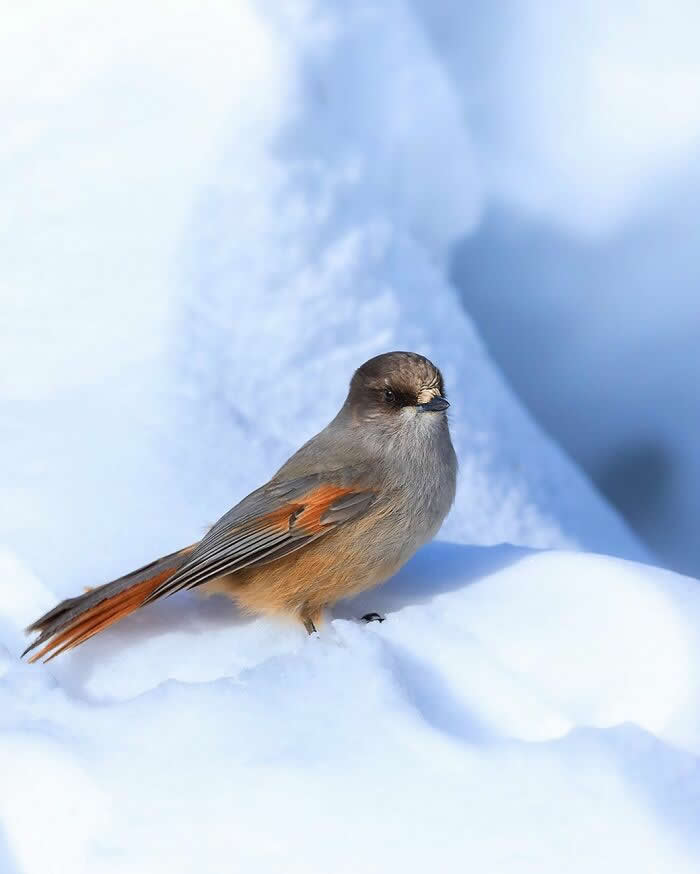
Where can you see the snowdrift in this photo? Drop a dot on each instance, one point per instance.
(517, 711)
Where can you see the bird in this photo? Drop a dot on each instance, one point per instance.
(341, 516)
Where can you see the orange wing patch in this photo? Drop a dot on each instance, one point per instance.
(303, 515)
(315, 505)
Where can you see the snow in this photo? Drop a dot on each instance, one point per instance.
(213, 216)
(585, 125)
(620, 392)
(579, 117)
(523, 710)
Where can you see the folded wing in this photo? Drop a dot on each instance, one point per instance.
(272, 522)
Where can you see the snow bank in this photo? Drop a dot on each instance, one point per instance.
(330, 249)
(620, 393)
(518, 711)
(584, 125)
(244, 237)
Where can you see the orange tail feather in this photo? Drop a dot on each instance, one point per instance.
(100, 617)
(77, 619)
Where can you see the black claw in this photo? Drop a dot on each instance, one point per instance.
(373, 617)
(309, 626)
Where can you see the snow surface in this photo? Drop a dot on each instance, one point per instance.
(621, 392)
(585, 125)
(212, 217)
(517, 711)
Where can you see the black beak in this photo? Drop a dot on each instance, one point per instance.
(434, 405)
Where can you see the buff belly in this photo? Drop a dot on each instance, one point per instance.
(305, 582)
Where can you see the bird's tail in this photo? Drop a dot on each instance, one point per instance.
(75, 620)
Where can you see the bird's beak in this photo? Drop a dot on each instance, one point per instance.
(434, 405)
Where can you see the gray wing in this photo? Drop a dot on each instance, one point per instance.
(271, 522)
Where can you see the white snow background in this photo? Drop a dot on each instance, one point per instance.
(212, 213)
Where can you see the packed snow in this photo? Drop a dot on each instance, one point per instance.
(214, 216)
(517, 711)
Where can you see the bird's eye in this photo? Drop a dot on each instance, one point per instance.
(389, 396)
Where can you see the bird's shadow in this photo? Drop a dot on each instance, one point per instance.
(439, 567)
(185, 615)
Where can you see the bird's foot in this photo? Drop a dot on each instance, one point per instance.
(373, 617)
